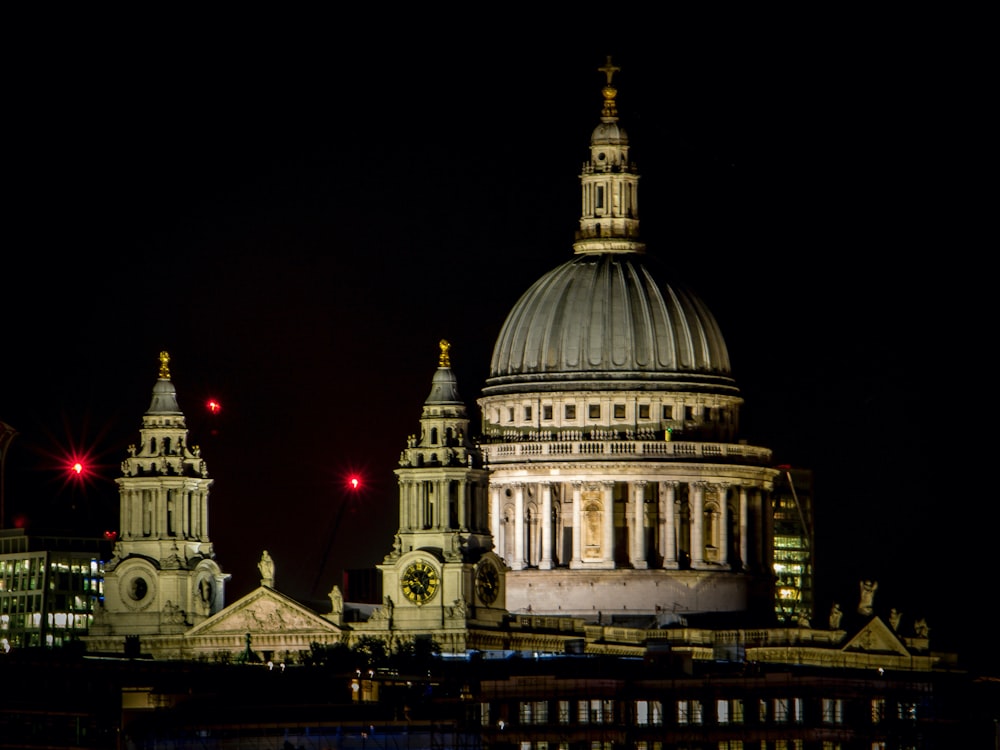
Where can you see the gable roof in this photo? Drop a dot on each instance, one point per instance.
(876, 637)
(264, 610)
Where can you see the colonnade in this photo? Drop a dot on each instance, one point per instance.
(690, 523)
(161, 512)
(445, 503)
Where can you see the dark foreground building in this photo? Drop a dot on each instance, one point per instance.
(577, 702)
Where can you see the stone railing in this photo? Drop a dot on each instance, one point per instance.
(628, 450)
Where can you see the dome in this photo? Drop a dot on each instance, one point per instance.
(609, 133)
(609, 318)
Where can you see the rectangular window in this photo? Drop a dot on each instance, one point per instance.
(510, 415)
(564, 712)
(689, 712)
(547, 411)
(600, 196)
(583, 712)
(648, 713)
(541, 711)
(796, 710)
(484, 714)
(907, 711)
(729, 711)
(643, 411)
(527, 413)
(833, 711)
(594, 411)
(668, 411)
(878, 710)
(780, 710)
(570, 411)
(597, 711)
(689, 413)
(619, 411)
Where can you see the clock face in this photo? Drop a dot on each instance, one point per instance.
(420, 582)
(487, 582)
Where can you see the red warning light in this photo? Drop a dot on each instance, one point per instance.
(78, 468)
(354, 482)
(214, 406)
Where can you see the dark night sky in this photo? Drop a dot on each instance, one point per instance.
(298, 221)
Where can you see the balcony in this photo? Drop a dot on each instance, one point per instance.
(535, 451)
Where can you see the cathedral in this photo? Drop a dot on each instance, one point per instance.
(605, 503)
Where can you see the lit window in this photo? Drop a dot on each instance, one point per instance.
(484, 714)
(564, 712)
(689, 712)
(833, 711)
(780, 710)
(649, 713)
(729, 711)
(878, 710)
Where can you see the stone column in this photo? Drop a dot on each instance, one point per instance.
(638, 551)
(724, 523)
(546, 562)
(744, 526)
(181, 501)
(495, 517)
(518, 562)
(440, 507)
(160, 527)
(608, 544)
(698, 526)
(668, 500)
(577, 525)
(404, 504)
(463, 505)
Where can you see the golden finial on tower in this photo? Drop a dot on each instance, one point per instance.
(164, 366)
(445, 359)
(610, 92)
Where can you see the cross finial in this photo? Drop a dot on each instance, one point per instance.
(445, 359)
(609, 69)
(164, 366)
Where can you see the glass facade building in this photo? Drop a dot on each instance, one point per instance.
(49, 587)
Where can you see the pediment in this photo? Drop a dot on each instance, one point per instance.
(876, 637)
(264, 610)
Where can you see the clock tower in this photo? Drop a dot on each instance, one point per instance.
(442, 574)
(163, 577)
